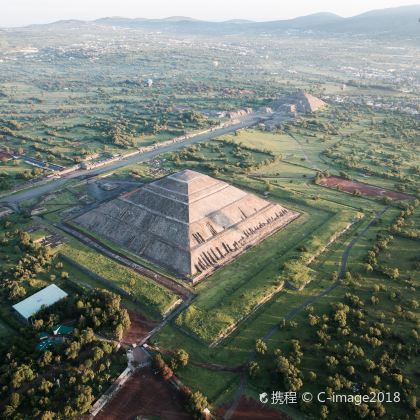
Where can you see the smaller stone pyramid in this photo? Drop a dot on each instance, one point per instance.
(305, 102)
(300, 102)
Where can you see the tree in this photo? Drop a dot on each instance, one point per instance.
(98, 354)
(197, 403)
(253, 369)
(296, 273)
(179, 359)
(23, 374)
(48, 415)
(260, 346)
(324, 412)
(158, 362)
(412, 401)
(312, 376)
(119, 332)
(72, 350)
(84, 398)
(15, 400)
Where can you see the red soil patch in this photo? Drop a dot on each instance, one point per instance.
(364, 189)
(249, 409)
(144, 394)
(139, 328)
(6, 156)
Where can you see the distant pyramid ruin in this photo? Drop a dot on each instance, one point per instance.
(187, 222)
(300, 102)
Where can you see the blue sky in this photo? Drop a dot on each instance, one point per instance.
(23, 12)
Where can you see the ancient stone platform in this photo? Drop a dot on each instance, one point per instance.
(187, 222)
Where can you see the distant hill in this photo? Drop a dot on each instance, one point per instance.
(400, 21)
(302, 22)
(394, 22)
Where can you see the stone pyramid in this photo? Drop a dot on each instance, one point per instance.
(186, 222)
(301, 102)
(306, 102)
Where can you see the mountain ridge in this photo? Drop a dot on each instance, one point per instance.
(397, 21)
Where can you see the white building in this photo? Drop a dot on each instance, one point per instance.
(33, 304)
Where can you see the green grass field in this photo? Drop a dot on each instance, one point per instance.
(232, 292)
(155, 298)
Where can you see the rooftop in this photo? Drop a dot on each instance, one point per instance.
(45, 297)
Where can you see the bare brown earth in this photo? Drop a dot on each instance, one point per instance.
(364, 189)
(249, 409)
(144, 394)
(139, 328)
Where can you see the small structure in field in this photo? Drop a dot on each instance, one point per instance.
(44, 298)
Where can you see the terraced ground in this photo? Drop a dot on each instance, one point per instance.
(154, 298)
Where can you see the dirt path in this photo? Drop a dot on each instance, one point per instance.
(307, 158)
(290, 315)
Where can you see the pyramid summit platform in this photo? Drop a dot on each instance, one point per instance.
(187, 222)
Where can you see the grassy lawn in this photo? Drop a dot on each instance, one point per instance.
(155, 298)
(88, 282)
(402, 254)
(217, 386)
(234, 291)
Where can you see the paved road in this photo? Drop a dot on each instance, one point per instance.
(39, 190)
(343, 267)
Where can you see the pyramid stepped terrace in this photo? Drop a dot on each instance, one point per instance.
(300, 102)
(187, 222)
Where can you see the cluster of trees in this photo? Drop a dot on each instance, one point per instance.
(231, 157)
(98, 309)
(8, 178)
(384, 239)
(356, 352)
(314, 125)
(391, 145)
(32, 259)
(195, 402)
(179, 359)
(193, 117)
(61, 382)
(162, 367)
(64, 380)
(288, 367)
(125, 130)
